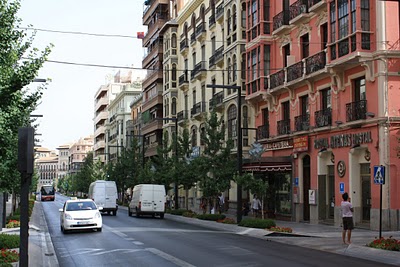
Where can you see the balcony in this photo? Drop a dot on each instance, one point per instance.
(201, 31)
(263, 132)
(99, 145)
(152, 30)
(149, 10)
(99, 131)
(216, 102)
(219, 15)
(314, 5)
(323, 117)
(217, 58)
(302, 122)
(184, 47)
(211, 21)
(182, 116)
(295, 71)
(156, 51)
(298, 12)
(184, 81)
(193, 39)
(283, 127)
(100, 117)
(316, 62)
(101, 102)
(152, 126)
(277, 79)
(198, 109)
(199, 71)
(152, 102)
(151, 77)
(356, 110)
(280, 23)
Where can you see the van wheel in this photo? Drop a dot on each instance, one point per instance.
(99, 229)
(129, 212)
(161, 215)
(137, 213)
(114, 213)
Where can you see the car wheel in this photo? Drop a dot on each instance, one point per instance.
(64, 230)
(161, 215)
(129, 212)
(99, 229)
(108, 212)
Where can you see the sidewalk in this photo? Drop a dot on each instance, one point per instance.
(320, 237)
(40, 247)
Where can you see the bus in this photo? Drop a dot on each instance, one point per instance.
(47, 192)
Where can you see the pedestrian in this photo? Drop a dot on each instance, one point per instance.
(168, 200)
(221, 203)
(347, 214)
(256, 206)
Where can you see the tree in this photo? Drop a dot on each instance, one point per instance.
(19, 64)
(258, 186)
(85, 176)
(216, 166)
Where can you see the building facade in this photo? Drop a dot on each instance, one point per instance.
(323, 77)
(46, 164)
(63, 162)
(78, 152)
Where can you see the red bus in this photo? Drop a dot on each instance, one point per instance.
(47, 192)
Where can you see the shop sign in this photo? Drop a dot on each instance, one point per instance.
(278, 145)
(343, 140)
(300, 144)
(311, 197)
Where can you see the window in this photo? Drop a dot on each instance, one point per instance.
(203, 93)
(324, 36)
(194, 136)
(304, 105)
(333, 21)
(173, 72)
(173, 106)
(202, 134)
(234, 19)
(359, 89)
(232, 113)
(254, 57)
(228, 22)
(213, 45)
(229, 70)
(245, 121)
(267, 60)
(194, 96)
(286, 110)
(305, 46)
(326, 99)
(265, 116)
(343, 18)
(286, 53)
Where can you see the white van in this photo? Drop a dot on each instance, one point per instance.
(148, 199)
(104, 194)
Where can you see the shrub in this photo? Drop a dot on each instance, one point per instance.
(386, 244)
(257, 223)
(227, 221)
(8, 256)
(179, 212)
(13, 218)
(281, 229)
(9, 241)
(211, 217)
(13, 224)
(189, 214)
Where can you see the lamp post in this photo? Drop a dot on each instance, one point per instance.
(176, 200)
(239, 142)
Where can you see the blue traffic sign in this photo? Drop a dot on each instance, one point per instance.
(379, 174)
(341, 188)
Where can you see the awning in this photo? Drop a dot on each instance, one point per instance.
(267, 167)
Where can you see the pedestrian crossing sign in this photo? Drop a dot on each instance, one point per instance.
(379, 174)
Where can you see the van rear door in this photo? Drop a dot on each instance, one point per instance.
(99, 194)
(146, 198)
(110, 195)
(159, 198)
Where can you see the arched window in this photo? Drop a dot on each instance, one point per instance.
(245, 120)
(185, 30)
(194, 23)
(228, 21)
(173, 111)
(234, 18)
(212, 5)
(194, 136)
(232, 128)
(234, 69)
(202, 134)
(229, 70)
(203, 13)
(173, 72)
(173, 41)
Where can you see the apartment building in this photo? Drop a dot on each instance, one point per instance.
(102, 98)
(324, 79)
(155, 15)
(63, 162)
(46, 164)
(211, 51)
(78, 152)
(119, 112)
(134, 127)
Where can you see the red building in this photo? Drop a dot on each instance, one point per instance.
(323, 76)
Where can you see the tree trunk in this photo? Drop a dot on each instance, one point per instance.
(187, 199)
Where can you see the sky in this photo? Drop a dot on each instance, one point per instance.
(67, 104)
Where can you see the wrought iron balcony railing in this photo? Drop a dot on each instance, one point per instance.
(263, 132)
(283, 127)
(302, 122)
(323, 117)
(356, 110)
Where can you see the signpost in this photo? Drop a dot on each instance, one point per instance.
(379, 178)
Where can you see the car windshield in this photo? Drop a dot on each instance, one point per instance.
(75, 206)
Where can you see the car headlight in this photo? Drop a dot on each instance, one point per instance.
(68, 217)
(97, 215)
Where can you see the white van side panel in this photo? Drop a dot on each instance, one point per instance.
(148, 198)
(104, 194)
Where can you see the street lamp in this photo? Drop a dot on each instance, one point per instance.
(176, 156)
(239, 142)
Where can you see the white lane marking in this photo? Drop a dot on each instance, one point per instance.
(130, 239)
(138, 243)
(86, 251)
(172, 230)
(116, 250)
(169, 258)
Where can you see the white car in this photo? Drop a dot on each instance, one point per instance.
(80, 214)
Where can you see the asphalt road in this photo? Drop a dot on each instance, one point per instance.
(147, 241)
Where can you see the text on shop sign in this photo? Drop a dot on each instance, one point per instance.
(343, 140)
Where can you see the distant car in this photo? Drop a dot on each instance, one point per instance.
(80, 214)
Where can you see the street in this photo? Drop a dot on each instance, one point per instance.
(147, 241)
